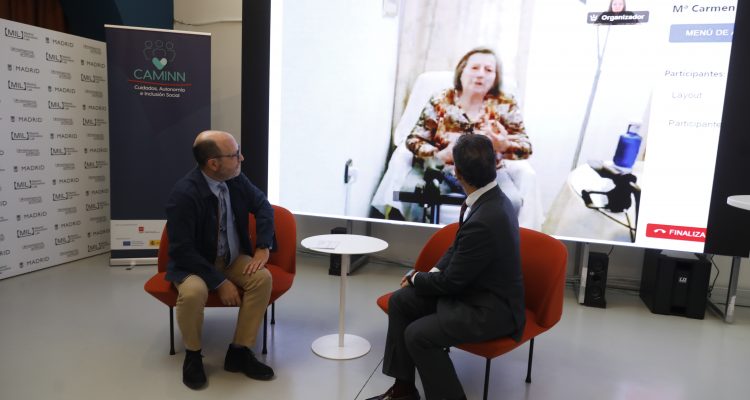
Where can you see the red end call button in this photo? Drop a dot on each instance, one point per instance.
(675, 232)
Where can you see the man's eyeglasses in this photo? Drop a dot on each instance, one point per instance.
(235, 155)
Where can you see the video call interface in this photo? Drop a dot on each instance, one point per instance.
(613, 109)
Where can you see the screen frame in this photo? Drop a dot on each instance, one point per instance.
(728, 229)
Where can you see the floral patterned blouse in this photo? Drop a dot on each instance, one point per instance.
(443, 121)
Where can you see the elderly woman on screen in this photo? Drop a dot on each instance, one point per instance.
(475, 105)
(617, 6)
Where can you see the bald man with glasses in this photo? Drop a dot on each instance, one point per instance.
(210, 249)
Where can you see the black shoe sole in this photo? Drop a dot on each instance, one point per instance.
(260, 377)
(195, 385)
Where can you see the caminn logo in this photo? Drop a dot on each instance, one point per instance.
(158, 54)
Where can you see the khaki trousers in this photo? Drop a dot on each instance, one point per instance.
(255, 290)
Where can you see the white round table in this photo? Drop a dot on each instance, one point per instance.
(342, 346)
(743, 202)
(739, 201)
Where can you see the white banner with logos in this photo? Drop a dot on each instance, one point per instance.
(54, 149)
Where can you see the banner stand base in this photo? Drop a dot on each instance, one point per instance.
(131, 262)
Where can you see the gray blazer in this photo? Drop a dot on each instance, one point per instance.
(480, 280)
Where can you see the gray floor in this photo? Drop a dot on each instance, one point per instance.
(87, 331)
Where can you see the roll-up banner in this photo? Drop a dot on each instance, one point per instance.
(54, 151)
(160, 98)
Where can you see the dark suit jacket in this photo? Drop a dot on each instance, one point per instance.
(480, 279)
(192, 225)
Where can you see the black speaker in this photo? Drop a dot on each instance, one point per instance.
(675, 283)
(334, 267)
(596, 280)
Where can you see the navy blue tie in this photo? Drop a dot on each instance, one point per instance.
(223, 245)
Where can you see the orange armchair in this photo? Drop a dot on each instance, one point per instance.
(281, 265)
(543, 262)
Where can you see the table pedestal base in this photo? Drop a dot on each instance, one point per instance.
(328, 347)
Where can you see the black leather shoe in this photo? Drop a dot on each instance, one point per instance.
(193, 375)
(242, 359)
(388, 395)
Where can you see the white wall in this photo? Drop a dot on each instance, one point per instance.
(406, 241)
(223, 19)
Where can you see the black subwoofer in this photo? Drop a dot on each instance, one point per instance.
(596, 280)
(675, 283)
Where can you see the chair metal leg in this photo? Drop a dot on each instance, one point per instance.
(265, 331)
(531, 356)
(171, 331)
(487, 378)
(273, 313)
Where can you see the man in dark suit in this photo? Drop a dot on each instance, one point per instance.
(210, 250)
(474, 293)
